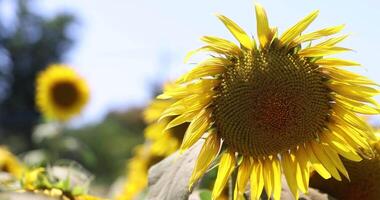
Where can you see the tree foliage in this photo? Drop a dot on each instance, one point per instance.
(27, 46)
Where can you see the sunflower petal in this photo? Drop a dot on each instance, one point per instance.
(208, 153)
(225, 46)
(354, 121)
(317, 34)
(244, 172)
(226, 167)
(325, 160)
(358, 107)
(257, 180)
(334, 157)
(338, 132)
(268, 176)
(186, 117)
(341, 147)
(303, 163)
(336, 62)
(316, 164)
(263, 30)
(196, 129)
(203, 71)
(288, 36)
(321, 51)
(332, 41)
(237, 32)
(289, 168)
(276, 166)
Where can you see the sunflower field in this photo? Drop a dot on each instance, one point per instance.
(118, 100)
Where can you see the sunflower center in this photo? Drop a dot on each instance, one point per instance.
(269, 102)
(64, 94)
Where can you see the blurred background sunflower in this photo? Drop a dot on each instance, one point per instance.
(60, 92)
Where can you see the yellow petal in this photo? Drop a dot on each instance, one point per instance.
(338, 132)
(263, 30)
(237, 32)
(225, 46)
(358, 107)
(196, 129)
(226, 167)
(288, 36)
(341, 147)
(353, 97)
(257, 180)
(191, 103)
(321, 51)
(268, 176)
(276, 178)
(208, 153)
(209, 48)
(289, 167)
(336, 62)
(317, 165)
(184, 90)
(300, 177)
(203, 71)
(186, 117)
(317, 34)
(334, 157)
(352, 133)
(354, 121)
(188, 104)
(344, 76)
(244, 173)
(325, 160)
(364, 90)
(332, 41)
(303, 160)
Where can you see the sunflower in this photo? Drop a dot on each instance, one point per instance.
(364, 180)
(159, 144)
(10, 163)
(137, 173)
(60, 92)
(272, 106)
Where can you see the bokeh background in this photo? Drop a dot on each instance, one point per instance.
(126, 50)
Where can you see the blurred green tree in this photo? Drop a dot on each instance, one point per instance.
(27, 45)
(105, 147)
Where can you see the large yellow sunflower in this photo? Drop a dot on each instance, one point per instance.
(60, 92)
(364, 183)
(273, 106)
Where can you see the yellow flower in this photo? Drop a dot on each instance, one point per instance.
(31, 179)
(160, 143)
(39, 181)
(137, 173)
(9, 163)
(60, 92)
(364, 182)
(275, 106)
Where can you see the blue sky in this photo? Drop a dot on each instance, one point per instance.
(125, 46)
